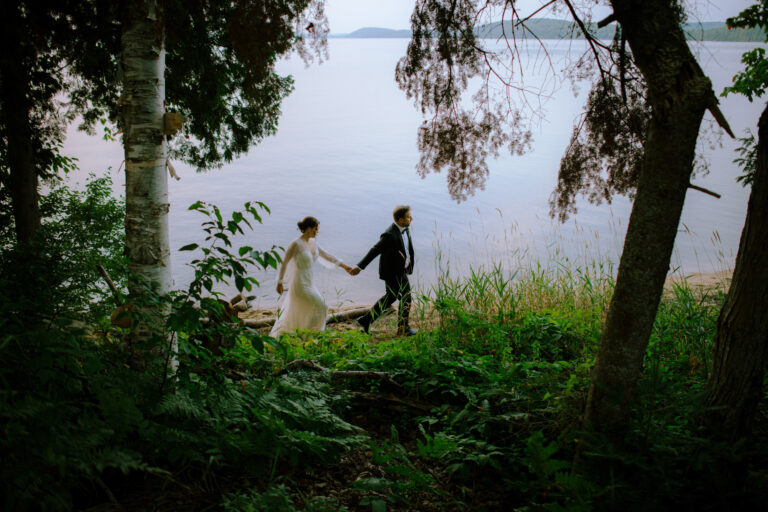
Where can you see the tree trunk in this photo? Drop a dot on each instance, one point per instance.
(16, 108)
(142, 109)
(678, 93)
(741, 345)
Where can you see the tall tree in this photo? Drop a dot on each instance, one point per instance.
(218, 67)
(649, 150)
(220, 71)
(51, 49)
(740, 354)
(678, 95)
(141, 120)
(22, 178)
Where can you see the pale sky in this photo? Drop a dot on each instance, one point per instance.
(346, 16)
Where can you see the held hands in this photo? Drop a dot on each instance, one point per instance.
(353, 271)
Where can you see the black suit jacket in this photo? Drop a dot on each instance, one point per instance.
(392, 250)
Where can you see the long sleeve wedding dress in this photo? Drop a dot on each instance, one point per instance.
(303, 307)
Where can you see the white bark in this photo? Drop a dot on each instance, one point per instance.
(142, 109)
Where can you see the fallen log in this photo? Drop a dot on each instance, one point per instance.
(339, 316)
(360, 398)
(306, 364)
(390, 401)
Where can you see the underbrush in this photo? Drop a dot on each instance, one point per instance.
(479, 411)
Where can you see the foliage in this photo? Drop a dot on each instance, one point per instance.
(747, 159)
(446, 57)
(604, 155)
(401, 478)
(498, 380)
(76, 414)
(220, 59)
(754, 79)
(750, 82)
(80, 230)
(275, 499)
(220, 70)
(443, 57)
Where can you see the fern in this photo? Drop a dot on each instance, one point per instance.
(180, 405)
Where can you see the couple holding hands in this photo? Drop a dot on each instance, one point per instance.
(303, 306)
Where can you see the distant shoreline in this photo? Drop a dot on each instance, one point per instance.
(547, 28)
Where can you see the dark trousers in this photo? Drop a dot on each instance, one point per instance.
(398, 288)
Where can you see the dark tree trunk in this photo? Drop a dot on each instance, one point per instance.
(741, 346)
(16, 107)
(678, 93)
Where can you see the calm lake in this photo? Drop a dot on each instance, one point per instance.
(346, 151)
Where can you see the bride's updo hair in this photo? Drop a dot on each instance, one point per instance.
(307, 222)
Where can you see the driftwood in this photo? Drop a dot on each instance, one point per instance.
(339, 316)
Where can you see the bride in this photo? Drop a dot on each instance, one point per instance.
(303, 307)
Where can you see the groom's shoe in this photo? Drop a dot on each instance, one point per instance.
(362, 322)
(406, 331)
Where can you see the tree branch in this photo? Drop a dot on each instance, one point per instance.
(702, 189)
(587, 36)
(115, 292)
(719, 117)
(606, 21)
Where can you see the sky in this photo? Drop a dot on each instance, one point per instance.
(346, 16)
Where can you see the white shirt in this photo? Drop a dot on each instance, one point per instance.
(405, 244)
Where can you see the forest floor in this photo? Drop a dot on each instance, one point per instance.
(481, 414)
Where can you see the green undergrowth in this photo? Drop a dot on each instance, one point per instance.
(479, 411)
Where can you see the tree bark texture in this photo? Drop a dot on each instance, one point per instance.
(141, 116)
(16, 108)
(679, 94)
(735, 384)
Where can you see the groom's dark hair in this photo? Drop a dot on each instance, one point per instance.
(400, 212)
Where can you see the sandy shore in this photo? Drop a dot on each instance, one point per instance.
(702, 281)
(698, 281)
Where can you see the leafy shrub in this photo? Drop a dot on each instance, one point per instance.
(57, 275)
(539, 336)
(74, 411)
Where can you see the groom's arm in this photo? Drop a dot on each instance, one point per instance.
(375, 251)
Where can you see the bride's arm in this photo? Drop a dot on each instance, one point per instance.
(330, 258)
(289, 253)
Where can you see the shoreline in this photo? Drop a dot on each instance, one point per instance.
(697, 281)
(701, 281)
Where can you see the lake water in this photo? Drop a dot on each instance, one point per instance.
(346, 151)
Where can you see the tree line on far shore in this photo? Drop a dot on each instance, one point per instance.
(549, 28)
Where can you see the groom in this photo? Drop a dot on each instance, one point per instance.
(396, 250)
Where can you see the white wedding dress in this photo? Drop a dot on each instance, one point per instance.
(302, 305)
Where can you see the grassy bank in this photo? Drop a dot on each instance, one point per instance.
(480, 411)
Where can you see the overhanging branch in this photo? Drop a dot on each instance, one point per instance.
(706, 191)
(606, 21)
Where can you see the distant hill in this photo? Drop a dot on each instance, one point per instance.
(548, 28)
(545, 28)
(379, 33)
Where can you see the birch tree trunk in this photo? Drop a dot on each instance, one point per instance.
(679, 93)
(735, 385)
(142, 110)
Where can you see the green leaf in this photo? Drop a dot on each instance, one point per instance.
(189, 247)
